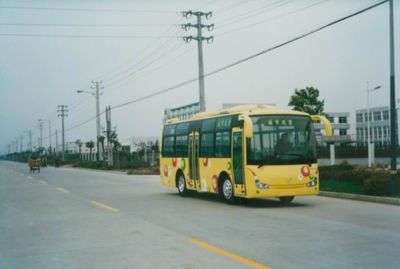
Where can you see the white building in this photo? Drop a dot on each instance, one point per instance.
(340, 126)
(379, 125)
(134, 141)
(182, 112)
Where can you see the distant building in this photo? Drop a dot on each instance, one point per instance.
(182, 112)
(341, 128)
(134, 141)
(379, 123)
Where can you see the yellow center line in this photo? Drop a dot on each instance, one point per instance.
(62, 190)
(230, 255)
(104, 206)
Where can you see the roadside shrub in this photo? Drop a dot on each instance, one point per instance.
(356, 179)
(342, 172)
(377, 185)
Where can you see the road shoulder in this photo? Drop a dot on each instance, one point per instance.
(359, 197)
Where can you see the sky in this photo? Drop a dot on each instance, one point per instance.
(51, 49)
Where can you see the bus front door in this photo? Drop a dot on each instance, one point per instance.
(237, 161)
(194, 147)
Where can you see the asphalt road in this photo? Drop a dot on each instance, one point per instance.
(76, 218)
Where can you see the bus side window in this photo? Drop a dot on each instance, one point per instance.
(181, 140)
(207, 138)
(168, 143)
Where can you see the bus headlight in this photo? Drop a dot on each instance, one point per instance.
(312, 183)
(261, 185)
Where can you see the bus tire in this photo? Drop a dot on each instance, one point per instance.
(286, 199)
(227, 190)
(181, 184)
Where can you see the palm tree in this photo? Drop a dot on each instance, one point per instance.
(114, 140)
(90, 145)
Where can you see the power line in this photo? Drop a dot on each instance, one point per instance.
(231, 6)
(87, 9)
(167, 62)
(132, 73)
(206, 5)
(143, 60)
(82, 24)
(236, 62)
(141, 52)
(86, 36)
(83, 122)
(251, 56)
(272, 18)
(265, 8)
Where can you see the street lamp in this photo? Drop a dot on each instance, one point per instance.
(368, 122)
(96, 94)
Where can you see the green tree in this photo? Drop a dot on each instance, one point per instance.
(90, 145)
(114, 140)
(307, 100)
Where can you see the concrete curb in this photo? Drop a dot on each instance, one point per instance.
(359, 197)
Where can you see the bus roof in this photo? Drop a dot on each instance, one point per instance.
(243, 109)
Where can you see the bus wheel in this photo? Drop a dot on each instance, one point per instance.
(181, 185)
(286, 199)
(227, 190)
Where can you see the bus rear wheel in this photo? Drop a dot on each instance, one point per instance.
(286, 199)
(227, 191)
(181, 185)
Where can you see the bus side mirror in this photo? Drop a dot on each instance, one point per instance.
(325, 123)
(247, 126)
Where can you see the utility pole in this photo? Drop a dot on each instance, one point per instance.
(109, 146)
(62, 112)
(42, 121)
(200, 38)
(22, 142)
(50, 137)
(56, 147)
(41, 133)
(16, 145)
(393, 140)
(30, 140)
(96, 85)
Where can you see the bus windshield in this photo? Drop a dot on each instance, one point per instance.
(283, 139)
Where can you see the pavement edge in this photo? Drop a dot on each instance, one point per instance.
(360, 197)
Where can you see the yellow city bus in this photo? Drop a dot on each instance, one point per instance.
(252, 151)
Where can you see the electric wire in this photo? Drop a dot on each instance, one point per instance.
(218, 70)
(148, 57)
(240, 61)
(252, 13)
(82, 24)
(86, 9)
(167, 62)
(231, 6)
(85, 36)
(147, 47)
(132, 73)
(271, 18)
